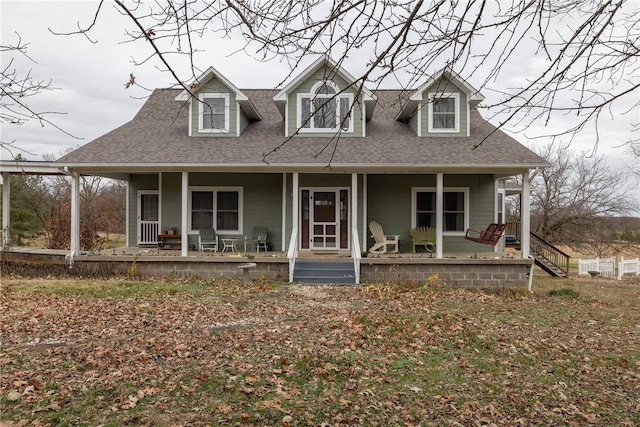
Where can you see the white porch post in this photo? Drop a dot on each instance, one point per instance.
(185, 211)
(365, 193)
(525, 215)
(160, 192)
(354, 203)
(496, 198)
(127, 224)
(284, 210)
(6, 206)
(439, 212)
(295, 203)
(75, 214)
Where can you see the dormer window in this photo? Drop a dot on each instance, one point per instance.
(324, 109)
(444, 112)
(213, 112)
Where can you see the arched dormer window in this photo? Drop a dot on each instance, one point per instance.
(325, 109)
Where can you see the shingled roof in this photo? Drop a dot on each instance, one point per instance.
(157, 139)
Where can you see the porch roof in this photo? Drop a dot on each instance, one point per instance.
(156, 139)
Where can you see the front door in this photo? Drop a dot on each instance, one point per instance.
(324, 218)
(324, 225)
(148, 217)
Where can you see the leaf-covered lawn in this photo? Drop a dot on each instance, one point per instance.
(192, 352)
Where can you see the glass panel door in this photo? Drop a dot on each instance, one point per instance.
(324, 229)
(148, 218)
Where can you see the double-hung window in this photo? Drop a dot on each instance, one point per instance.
(213, 112)
(455, 214)
(217, 208)
(325, 109)
(444, 112)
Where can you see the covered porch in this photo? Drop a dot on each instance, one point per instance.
(295, 207)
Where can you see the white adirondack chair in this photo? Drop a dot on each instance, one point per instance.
(382, 240)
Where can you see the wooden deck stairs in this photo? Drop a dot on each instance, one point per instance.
(546, 256)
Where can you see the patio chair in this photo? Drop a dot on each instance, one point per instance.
(490, 236)
(258, 239)
(382, 241)
(423, 236)
(207, 240)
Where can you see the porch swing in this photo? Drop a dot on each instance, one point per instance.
(490, 236)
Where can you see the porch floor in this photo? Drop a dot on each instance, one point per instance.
(274, 255)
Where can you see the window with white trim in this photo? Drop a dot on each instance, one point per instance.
(325, 109)
(444, 112)
(455, 215)
(219, 208)
(213, 112)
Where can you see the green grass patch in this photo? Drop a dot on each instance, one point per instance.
(564, 292)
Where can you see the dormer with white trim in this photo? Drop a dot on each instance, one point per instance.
(441, 106)
(325, 100)
(217, 107)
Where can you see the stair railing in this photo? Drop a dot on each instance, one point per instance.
(292, 252)
(546, 250)
(356, 254)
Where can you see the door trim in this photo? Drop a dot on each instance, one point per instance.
(152, 234)
(336, 191)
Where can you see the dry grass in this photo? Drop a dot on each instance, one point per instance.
(194, 352)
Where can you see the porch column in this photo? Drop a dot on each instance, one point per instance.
(284, 210)
(295, 205)
(127, 227)
(75, 214)
(525, 215)
(160, 192)
(185, 211)
(364, 213)
(354, 204)
(6, 206)
(439, 212)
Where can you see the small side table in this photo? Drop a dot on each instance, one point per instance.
(169, 241)
(229, 244)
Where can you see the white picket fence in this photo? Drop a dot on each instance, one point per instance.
(607, 267)
(628, 266)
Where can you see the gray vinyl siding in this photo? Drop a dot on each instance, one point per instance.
(261, 203)
(324, 180)
(444, 86)
(481, 209)
(138, 182)
(413, 122)
(322, 74)
(214, 86)
(389, 203)
(171, 201)
(244, 121)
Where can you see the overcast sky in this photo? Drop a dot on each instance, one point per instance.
(90, 98)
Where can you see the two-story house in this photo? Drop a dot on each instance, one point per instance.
(314, 163)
